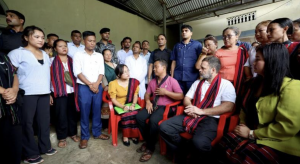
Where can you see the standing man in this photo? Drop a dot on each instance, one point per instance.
(89, 70)
(202, 112)
(125, 52)
(105, 44)
(161, 53)
(146, 55)
(75, 46)
(48, 47)
(184, 56)
(11, 38)
(138, 67)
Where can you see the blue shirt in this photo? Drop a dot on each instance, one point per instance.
(246, 44)
(186, 56)
(72, 49)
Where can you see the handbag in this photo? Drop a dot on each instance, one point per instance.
(68, 78)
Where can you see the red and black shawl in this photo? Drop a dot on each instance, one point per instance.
(58, 79)
(132, 85)
(242, 57)
(191, 123)
(294, 51)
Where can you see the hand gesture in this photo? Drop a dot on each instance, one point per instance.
(149, 107)
(242, 130)
(160, 91)
(10, 94)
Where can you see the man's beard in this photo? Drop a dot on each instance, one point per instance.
(207, 76)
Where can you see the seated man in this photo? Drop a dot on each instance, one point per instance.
(212, 97)
(166, 90)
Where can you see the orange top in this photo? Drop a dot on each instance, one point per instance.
(228, 60)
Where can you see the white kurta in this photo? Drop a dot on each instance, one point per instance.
(138, 70)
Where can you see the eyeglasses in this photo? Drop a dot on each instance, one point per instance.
(227, 36)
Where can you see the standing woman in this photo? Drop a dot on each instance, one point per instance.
(33, 69)
(262, 39)
(278, 32)
(211, 43)
(122, 91)
(232, 58)
(10, 126)
(65, 92)
(109, 75)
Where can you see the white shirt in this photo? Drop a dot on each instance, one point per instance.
(66, 68)
(72, 49)
(250, 60)
(226, 92)
(91, 66)
(146, 57)
(33, 76)
(138, 70)
(122, 55)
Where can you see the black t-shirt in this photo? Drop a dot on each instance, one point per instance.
(161, 54)
(10, 40)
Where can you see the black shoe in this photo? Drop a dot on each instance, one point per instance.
(135, 141)
(126, 143)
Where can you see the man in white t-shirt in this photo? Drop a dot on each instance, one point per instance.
(213, 97)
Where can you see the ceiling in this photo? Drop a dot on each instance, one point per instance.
(180, 11)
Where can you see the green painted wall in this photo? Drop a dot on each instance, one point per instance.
(63, 16)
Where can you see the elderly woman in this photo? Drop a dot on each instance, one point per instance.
(262, 39)
(211, 44)
(269, 125)
(232, 58)
(122, 91)
(109, 76)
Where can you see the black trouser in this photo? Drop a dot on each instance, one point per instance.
(150, 131)
(66, 116)
(36, 107)
(10, 141)
(204, 134)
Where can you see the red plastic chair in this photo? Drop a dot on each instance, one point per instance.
(220, 131)
(114, 118)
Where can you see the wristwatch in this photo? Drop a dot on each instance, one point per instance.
(251, 135)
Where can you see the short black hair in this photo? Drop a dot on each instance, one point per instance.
(145, 41)
(283, 22)
(119, 70)
(209, 35)
(106, 49)
(52, 34)
(29, 30)
(58, 40)
(88, 33)
(297, 21)
(137, 42)
(125, 38)
(104, 30)
(187, 26)
(20, 15)
(161, 35)
(75, 32)
(162, 62)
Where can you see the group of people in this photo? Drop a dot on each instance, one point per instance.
(260, 82)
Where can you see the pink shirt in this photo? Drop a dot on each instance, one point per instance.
(170, 84)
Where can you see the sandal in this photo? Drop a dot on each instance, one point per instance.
(142, 148)
(62, 143)
(103, 137)
(75, 138)
(146, 156)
